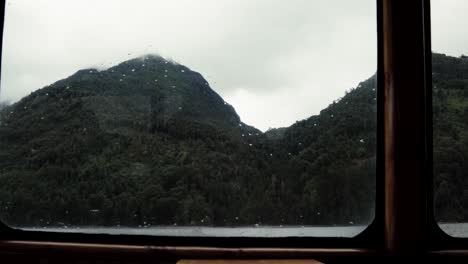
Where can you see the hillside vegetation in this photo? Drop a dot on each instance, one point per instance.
(148, 142)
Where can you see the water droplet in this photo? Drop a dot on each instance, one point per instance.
(362, 140)
(156, 80)
(133, 70)
(271, 154)
(250, 145)
(373, 89)
(315, 124)
(243, 135)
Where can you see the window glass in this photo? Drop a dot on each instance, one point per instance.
(189, 118)
(450, 115)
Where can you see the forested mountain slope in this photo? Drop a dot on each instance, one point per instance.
(148, 142)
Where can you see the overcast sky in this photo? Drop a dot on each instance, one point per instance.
(275, 61)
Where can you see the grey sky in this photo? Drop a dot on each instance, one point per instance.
(275, 61)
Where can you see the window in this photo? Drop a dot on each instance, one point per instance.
(189, 118)
(404, 210)
(450, 112)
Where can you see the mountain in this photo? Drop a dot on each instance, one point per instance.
(148, 142)
(3, 105)
(450, 137)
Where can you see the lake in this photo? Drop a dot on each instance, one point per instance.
(453, 229)
(307, 231)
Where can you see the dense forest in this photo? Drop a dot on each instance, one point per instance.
(149, 143)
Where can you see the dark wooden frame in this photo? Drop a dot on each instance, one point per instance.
(404, 222)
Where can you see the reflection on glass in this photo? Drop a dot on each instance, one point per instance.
(182, 143)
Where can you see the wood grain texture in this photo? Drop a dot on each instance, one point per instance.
(263, 261)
